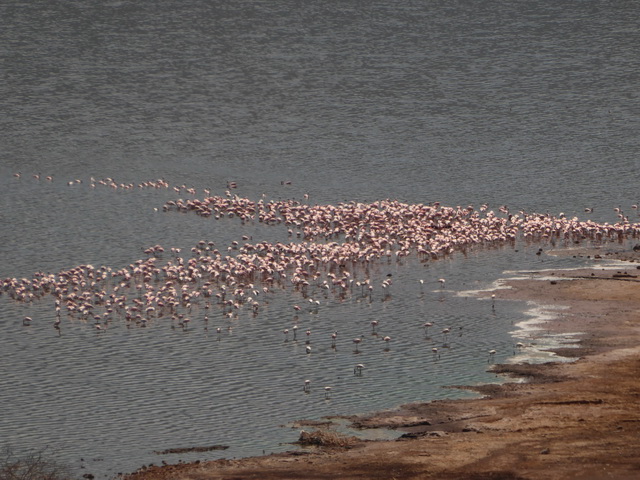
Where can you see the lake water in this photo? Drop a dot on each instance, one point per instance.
(532, 105)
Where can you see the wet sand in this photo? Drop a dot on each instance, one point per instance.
(561, 420)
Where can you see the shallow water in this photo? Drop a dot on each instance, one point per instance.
(532, 106)
(115, 397)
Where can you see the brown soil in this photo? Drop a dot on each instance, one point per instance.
(575, 420)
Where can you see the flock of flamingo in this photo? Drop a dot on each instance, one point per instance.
(330, 251)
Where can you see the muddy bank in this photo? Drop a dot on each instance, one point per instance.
(574, 420)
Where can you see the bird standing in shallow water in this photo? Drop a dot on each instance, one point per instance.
(445, 334)
(426, 326)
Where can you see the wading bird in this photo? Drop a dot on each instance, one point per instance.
(491, 355)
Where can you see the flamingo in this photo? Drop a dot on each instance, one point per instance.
(491, 355)
(357, 370)
(357, 342)
(327, 392)
(307, 386)
(445, 333)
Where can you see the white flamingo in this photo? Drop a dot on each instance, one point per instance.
(445, 334)
(491, 355)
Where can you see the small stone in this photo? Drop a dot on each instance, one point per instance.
(545, 451)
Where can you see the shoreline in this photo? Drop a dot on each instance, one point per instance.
(578, 419)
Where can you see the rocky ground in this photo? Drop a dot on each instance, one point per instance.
(576, 420)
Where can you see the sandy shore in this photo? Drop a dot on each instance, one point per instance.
(569, 420)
